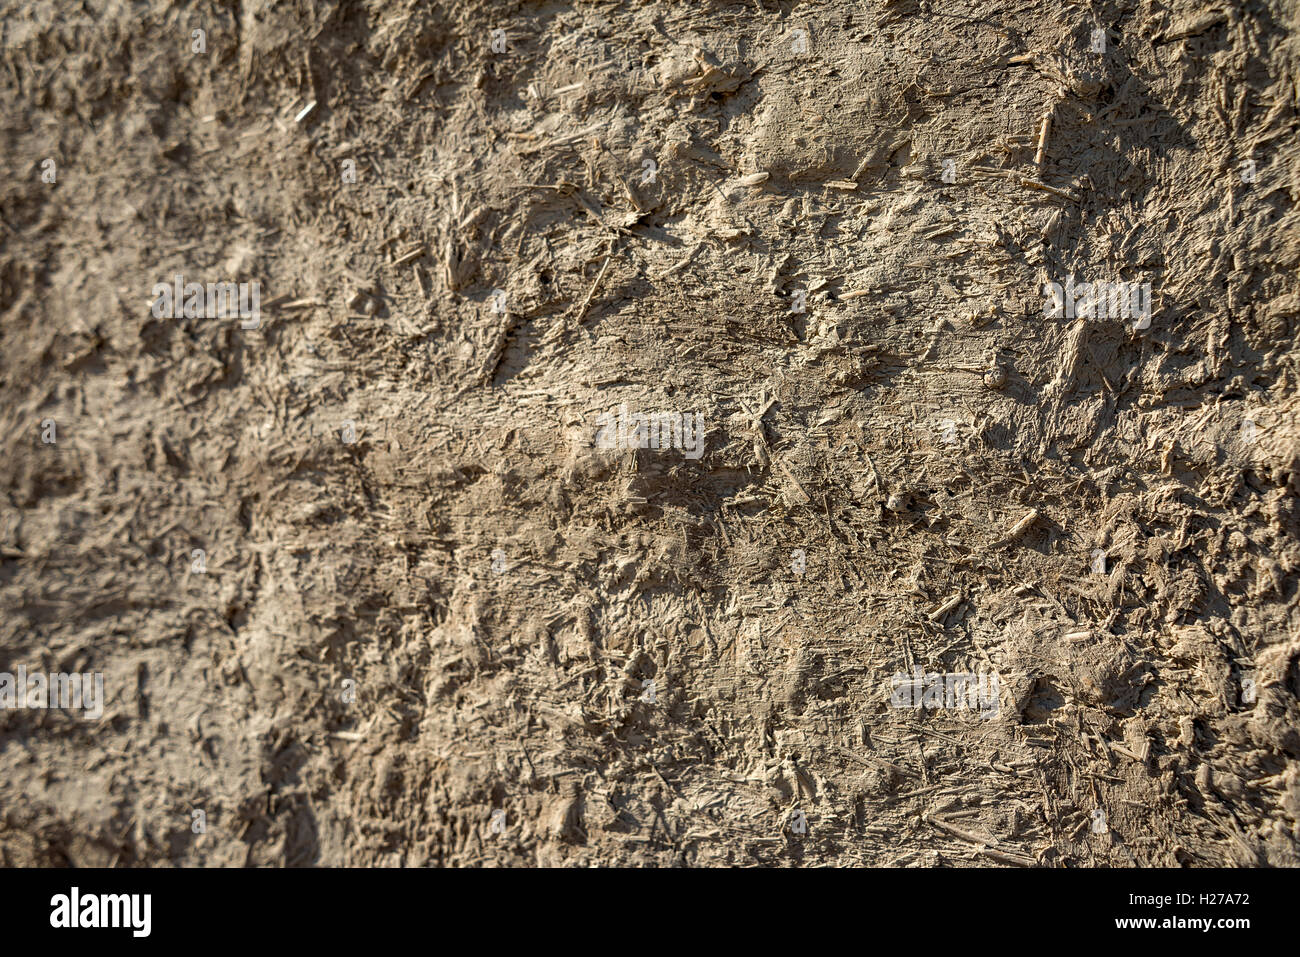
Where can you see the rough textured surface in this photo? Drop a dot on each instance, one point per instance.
(395, 478)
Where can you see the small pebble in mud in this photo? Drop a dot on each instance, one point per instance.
(995, 378)
(897, 502)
